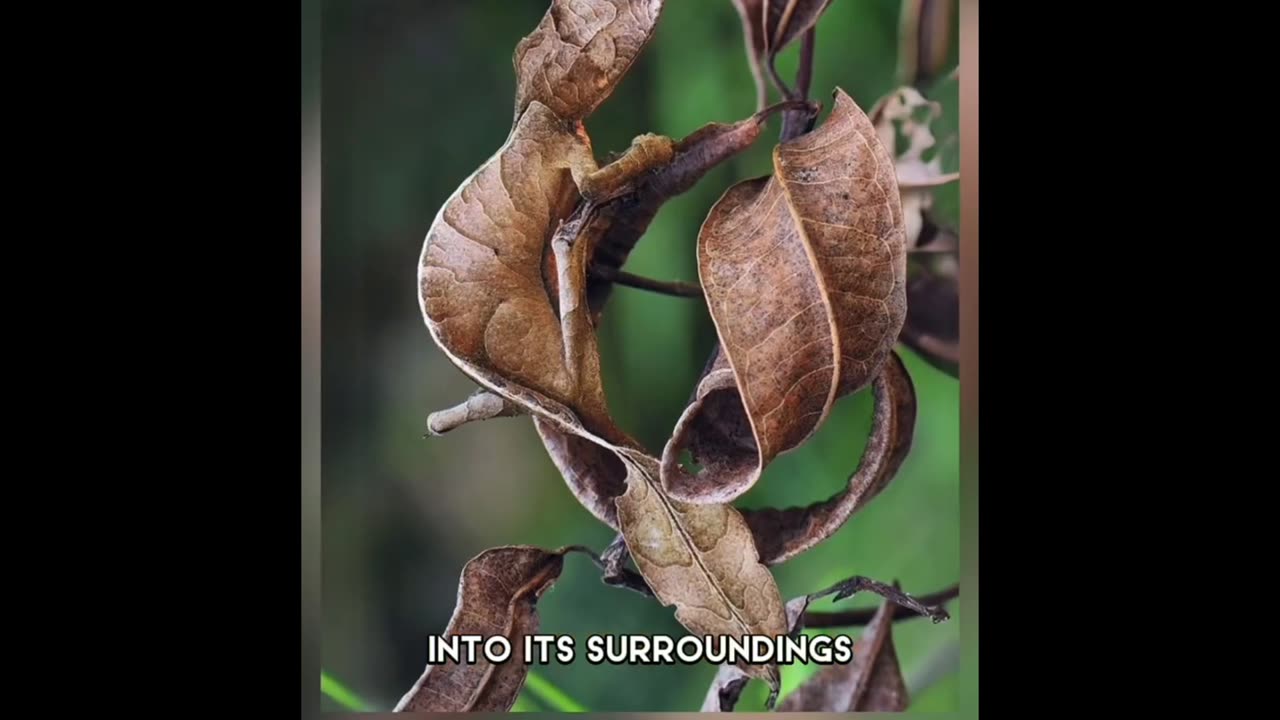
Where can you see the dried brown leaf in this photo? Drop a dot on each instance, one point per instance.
(594, 474)
(783, 534)
(702, 560)
(483, 294)
(804, 274)
(871, 682)
(579, 52)
(786, 20)
(497, 595)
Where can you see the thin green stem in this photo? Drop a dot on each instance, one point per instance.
(551, 695)
(341, 694)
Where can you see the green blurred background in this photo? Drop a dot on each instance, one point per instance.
(418, 93)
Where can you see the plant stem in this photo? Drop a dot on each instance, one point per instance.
(853, 618)
(674, 289)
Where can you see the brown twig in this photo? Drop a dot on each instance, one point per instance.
(797, 122)
(675, 289)
(854, 618)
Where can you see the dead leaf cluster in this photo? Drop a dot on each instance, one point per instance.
(805, 275)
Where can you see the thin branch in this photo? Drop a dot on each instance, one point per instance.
(855, 618)
(675, 289)
(804, 75)
(797, 122)
(785, 91)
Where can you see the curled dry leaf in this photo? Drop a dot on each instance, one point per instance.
(483, 294)
(871, 682)
(592, 471)
(497, 595)
(786, 20)
(804, 274)
(783, 534)
(579, 52)
(702, 559)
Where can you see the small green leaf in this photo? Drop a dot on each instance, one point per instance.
(340, 694)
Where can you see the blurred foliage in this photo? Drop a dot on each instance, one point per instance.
(416, 95)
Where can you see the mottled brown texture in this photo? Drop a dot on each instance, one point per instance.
(497, 595)
(580, 52)
(804, 274)
(701, 559)
(871, 682)
(482, 291)
(783, 534)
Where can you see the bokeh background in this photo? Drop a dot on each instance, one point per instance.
(416, 94)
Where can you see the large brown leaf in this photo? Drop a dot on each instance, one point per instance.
(483, 294)
(804, 274)
(700, 558)
(871, 682)
(783, 534)
(579, 52)
(497, 595)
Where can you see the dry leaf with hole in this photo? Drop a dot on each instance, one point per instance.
(871, 682)
(804, 274)
(580, 52)
(907, 114)
(497, 596)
